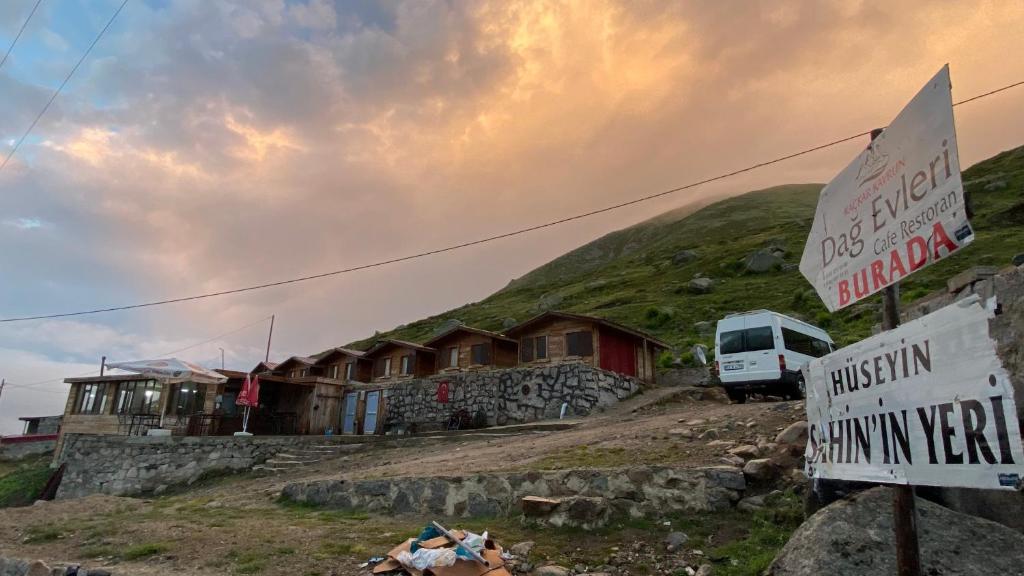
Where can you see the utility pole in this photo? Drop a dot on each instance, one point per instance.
(221, 358)
(269, 336)
(904, 508)
(103, 365)
(2, 382)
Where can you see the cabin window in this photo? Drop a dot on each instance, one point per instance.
(533, 348)
(481, 354)
(187, 399)
(138, 397)
(298, 373)
(579, 343)
(333, 370)
(92, 398)
(350, 371)
(453, 357)
(407, 364)
(382, 367)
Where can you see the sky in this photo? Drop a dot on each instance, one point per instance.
(207, 145)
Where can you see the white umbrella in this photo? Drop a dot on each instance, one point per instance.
(171, 370)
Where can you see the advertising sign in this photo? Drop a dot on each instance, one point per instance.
(898, 207)
(928, 403)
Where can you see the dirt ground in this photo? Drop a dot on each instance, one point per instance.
(236, 525)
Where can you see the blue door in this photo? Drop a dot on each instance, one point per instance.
(348, 425)
(370, 415)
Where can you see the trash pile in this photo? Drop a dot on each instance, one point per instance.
(438, 551)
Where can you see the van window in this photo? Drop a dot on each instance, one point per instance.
(805, 344)
(759, 339)
(749, 340)
(731, 342)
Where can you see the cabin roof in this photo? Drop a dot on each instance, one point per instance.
(384, 343)
(468, 329)
(553, 315)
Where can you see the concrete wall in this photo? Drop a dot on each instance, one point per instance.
(1007, 328)
(640, 491)
(509, 396)
(131, 465)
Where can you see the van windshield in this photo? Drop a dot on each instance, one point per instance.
(749, 340)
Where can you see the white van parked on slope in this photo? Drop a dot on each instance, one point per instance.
(763, 351)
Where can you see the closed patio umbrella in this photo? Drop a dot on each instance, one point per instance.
(248, 397)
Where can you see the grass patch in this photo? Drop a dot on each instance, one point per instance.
(22, 484)
(140, 551)
(98, 551)
(770, 529)
(41, 534)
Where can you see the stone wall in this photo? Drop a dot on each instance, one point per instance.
(11, 449)
(132, 465)
(636, 492)
(507, 396)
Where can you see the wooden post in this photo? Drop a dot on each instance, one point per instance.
(103, 365)
(904, 508)
(269, 336)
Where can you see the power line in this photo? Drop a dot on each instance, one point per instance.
(62, 84)
(179, 350)
(481, 240)
(20, 31)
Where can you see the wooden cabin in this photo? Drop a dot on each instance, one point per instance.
(296, 367)
(399, 360)
(345, 365)
(559, 337)
(465, 348)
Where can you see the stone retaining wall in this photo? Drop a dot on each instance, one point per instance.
(17, 450)
(132, 465)
(636, 492)
(507, 396)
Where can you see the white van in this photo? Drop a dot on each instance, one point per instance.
(763, 351)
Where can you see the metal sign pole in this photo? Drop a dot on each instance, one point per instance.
(904, 509)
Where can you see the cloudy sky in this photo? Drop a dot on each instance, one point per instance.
(206, 145)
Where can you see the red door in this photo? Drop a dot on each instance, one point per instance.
(618, 353)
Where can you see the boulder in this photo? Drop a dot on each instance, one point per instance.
(681, 432)
(551, 570)
(580, 512)
(1018, 260)
(549, 301)
(700, 285)
(703, 327)
(709, 434)
(734, 461)
(684, 257)
(447, 325)
(675, 540)
(522, 549)
(762, 261)
(759, 470)
(746, 451)
(508, 323)
(38, 568)
(751, 504)
(795, 433)
(705, 570)
(854, 537)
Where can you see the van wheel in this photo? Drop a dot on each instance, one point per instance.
(736, 395)
(801, 387)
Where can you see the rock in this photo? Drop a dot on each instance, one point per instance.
(38, 568)
(709, 434)
(536, 506)
(681, 432)
(795, 433)
(581, 512)
(551, 570)
(549, 301)
(762, 261)
(684, 257)
(790, 266)
(751, 503)
(697, 422)
(854, 537)
(522, 549)
(700, 285)
(734, 461)
(746, 451)
(447, 325)
(508, 323)
(99, 572)
(705, 570)
(705, 327)
(721, 444)
(1018, 260)
(675, 540)
(759, 470)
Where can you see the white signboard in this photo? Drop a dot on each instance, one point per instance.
(898, 207)
(927, 404)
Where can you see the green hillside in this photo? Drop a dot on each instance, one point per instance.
(640, 275)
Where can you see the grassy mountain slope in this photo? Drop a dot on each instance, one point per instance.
(633, 276)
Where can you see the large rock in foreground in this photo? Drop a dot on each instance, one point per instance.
(855, 537)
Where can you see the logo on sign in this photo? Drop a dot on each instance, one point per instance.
(873, 167)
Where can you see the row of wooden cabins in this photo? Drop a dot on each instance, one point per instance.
(342, 390)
